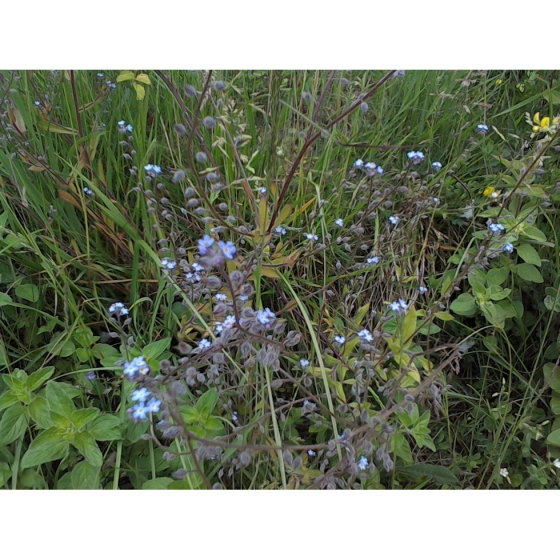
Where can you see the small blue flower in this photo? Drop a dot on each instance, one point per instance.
(311, 236)
(204, 244)
(374, 259)
(496, 229)
(380, 170)
(437, 166)
(123, 127)
(415, 157)
(118, 309)
(88, 191)
(152, 169)
(168, 264)
(481, 128)
(339, 339)
(221, 297)
(91, 376)
(358, 163)
(363, 463)
(280, 230)
(508, 248)
(266, 317)
(398, 307)
(140, 395)
(365, 335)
(37, 103)
(304, 363)
(204, 344)
(311, 453)
(394, 220)
(153, 405)
(228, 249)
(422, 289)
(262, 190)
(139, 411)
(339, 222)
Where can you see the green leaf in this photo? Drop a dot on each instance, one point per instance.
(534, 233)
(37, 378)
(555, 404)
(47, 446)
(207, 402)
(125, 76)
(13, 424)
(529, 254)
(86, 445)
(5, 299)
(464, 305)
(554, 438)
(140, 91)
(529, 272)
(144, 79)
(444, 316)
(497, 276)
(106, 427)
(437, 473)
(156, 349)
(401, 447)
(17, 381)
(190, 414)
(81, 417)
(29, 292)
(85, 476)
(552, 376)
(409, 326)
(7, 399)
(58, 400)
(160, 483)
(213, 424)
(40, 413)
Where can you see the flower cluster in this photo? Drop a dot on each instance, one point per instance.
(168, 264)
(137, 365)
(228, 323)
(118, 309)
(141, 410)
(370, 167)
(496, 229)
(365, 335)
(214, 254)
(152, 170)
(415, 157)
(398, 307)
(123, 127)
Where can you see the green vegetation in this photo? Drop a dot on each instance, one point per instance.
(279, 279)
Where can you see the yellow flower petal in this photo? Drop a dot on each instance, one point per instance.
(488, 191)
(536, 129)
(545, 123)
(537, 118)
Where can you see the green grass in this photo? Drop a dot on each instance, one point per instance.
(425, 408)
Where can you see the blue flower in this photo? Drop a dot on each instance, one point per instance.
(394, 220)
(496, 229)
(481, 128)
(266, 317)
(118, 309)
(339, 222)
(508, 248)
(228, 249)
(280, 230)
(204, 244)
(91, 376)
(365, 335)
(88, 191)
(140, 395)
(422, 289)
(311, 236)
(123, 127)
(221, 297)
(168, 264)
(415, 157)
(339, 339)
(358, 163)
(152, 170)
(304, 363)
(139, 411)
(204, 344)
(437, 166)
(399, 307)
(363, 463)
(374, 259)
(153, 405)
